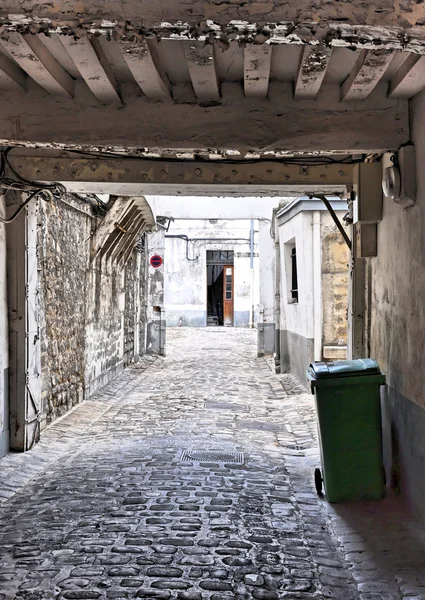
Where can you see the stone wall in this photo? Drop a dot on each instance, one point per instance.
(63, 261)
(334, 291)
(398, 326)
(92, 318)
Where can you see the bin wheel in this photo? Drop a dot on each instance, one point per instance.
(318, 481)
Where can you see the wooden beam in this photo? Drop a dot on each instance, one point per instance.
(113, 241)
(91, 63)
(12, 77)
(56, 48)
(145, 66)
(314, 62)
(410, 78)
(200, 61)
(34, 58)
(282, 123)
(257, 60)
(38, 165)
(366, 74)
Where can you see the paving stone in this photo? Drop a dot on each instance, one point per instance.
(164, 572)
(104, 508)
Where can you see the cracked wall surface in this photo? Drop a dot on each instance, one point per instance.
(400, 13)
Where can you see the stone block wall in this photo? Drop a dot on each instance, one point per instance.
(335, 258)
(91, 313)
(63, 262)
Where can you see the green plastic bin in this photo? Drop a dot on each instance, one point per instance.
(350, 433)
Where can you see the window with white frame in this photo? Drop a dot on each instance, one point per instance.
(291, 271)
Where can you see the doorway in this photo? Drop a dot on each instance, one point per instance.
(219, 288)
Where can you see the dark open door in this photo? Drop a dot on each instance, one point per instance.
(228, 296)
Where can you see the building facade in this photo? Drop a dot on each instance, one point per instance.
(311, 284)
(211, 273)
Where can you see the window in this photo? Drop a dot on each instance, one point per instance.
(220, 257)
(294, 275)
(290, 252)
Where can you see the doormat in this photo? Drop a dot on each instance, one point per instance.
(217, 456)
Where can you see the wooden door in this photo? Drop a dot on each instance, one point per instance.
(228, 295)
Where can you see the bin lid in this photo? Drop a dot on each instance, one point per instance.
(344, 368)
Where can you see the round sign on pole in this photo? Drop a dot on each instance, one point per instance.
(156, 261)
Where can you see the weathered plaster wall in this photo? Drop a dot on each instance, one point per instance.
(398, 328)
(104, 356)
(357, 12)
(335, 258)
(186, 281)
(4, 342)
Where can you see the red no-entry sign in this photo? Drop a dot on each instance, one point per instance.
(156, 261)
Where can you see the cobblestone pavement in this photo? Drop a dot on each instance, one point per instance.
(104, 507)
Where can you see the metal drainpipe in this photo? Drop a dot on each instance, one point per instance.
(317, 287)
(251, 266)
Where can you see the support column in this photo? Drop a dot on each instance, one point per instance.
(266, 321)
(156, 324)
(356, 303)
(24, 335)
(317, 286)
(4, 342)
(277, 288)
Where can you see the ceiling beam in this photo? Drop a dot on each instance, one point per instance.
(200, 61)
(145, 66)
(93, 67)
(132, 176)
(366, 74)
(34, 58)
(409, 79)
(314, 62)
(237, 123)
(257, 61)
(12, 77)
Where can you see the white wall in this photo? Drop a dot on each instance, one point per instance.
(186, 280)
(204, 207)
(300, 327)
(297, 317)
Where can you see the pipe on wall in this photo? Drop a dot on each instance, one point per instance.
(317, 287)
(251, 268)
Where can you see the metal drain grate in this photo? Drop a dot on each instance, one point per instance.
(217, 456)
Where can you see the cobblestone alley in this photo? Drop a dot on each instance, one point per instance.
(105, 507)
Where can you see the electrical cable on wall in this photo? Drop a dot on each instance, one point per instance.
(302, 161)
(38, 189)
(21, 208)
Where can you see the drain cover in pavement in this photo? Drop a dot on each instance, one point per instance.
(227, 406)
(235, 458)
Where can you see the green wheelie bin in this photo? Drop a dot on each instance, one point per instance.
(349, 422)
